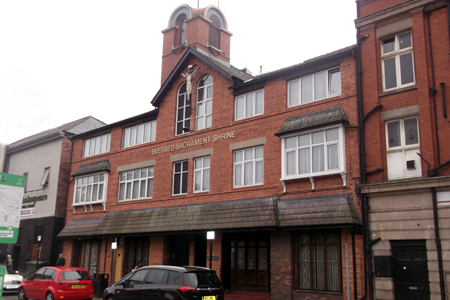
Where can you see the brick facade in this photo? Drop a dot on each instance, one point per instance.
(263, 254)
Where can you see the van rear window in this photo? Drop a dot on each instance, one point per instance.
(75, 275)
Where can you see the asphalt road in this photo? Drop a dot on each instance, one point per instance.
(14, 297)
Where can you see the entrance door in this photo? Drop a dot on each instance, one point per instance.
(410, 270)
(249, 261)
(118, 267)
(179, 250)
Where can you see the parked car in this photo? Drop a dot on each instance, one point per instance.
(167, 282)
(49, 283)
(11, 282)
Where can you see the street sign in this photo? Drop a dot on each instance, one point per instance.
(11, 195)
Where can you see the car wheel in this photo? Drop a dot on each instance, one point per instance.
(49, 296)
(110, 298)
(21, 295)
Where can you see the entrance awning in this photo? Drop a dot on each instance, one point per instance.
(257, 213)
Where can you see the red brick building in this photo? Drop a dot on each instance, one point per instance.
(268, 162)
(403, 84)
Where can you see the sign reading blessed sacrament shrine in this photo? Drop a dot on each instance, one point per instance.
(195, 142)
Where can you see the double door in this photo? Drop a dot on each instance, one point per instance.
(250, 261)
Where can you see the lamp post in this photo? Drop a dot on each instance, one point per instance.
(39, 251)
(210, 237)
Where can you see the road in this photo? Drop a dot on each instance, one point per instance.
(14, 297)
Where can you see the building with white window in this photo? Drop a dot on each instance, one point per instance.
(44, 159)
(403, 81)
(268, 162)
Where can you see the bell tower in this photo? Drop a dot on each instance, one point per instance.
(204, 28)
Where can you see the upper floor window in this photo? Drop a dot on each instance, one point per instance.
(314, 153)
(204, 102)
(314, 87)
(91, 188)
(397, 61)
(136, 184)
(402, 143)
(249, 105)
(201, 174)
(44, 181)
(96, 145)
(183, 120)
(181, 23)
(180, 177)
(214, 32)
(248, 166)
(139, 134)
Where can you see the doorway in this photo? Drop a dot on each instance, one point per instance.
(410, 270)
(249, 261)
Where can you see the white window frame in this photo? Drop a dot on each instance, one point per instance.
(185, 121)
(183, 174)
(340, 148)
(246, 98)
(131, 178)
(202, 168)
(97, 145)
(45, 177)
(402, 145)
(239, 167)
(202, 103)
(90, 181)
(298, 91)
(139, 134)
(396, 54)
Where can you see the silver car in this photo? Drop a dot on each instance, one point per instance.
(11, 282)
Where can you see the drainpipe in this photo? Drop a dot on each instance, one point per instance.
(362, 168)
(433, 92)
(437, 239)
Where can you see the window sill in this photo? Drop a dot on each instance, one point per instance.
(311, 179)
(85, 205)
(399, 90)
(317, 292)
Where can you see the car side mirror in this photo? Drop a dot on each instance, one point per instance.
(130, 284)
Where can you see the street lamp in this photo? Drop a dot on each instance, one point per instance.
(39, 251)
(210, 237)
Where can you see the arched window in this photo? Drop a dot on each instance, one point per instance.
(214, 32)
(183, 111)
(204, 102)
(181, 35)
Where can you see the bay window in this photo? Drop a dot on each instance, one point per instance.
(313, 153)
(90, 189)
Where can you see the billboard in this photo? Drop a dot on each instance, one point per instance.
(11, 195)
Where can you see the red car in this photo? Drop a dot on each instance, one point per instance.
(49, 283)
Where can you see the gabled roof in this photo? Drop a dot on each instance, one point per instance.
(224, 68)
(71, 128)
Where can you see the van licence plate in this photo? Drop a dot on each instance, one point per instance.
(209, 298)
(79, 286)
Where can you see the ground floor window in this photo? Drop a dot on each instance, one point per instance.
(317, 261)
(90, 256)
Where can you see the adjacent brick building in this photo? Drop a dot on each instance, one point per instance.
(270, 163)
(404, 78)
(44, 159)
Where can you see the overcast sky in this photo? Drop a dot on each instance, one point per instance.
(63, 60)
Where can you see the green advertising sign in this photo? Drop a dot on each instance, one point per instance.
(11, 195)
(2, 279)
